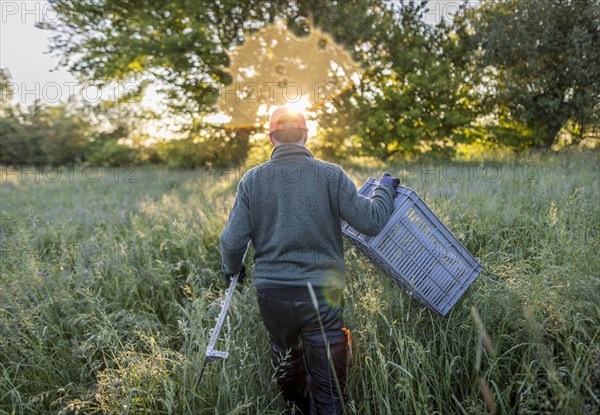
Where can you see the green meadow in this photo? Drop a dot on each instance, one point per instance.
(110, 285)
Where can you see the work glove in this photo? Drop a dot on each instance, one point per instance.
(388, 180)
(240, 278)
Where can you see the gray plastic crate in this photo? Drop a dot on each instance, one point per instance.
(418, 251)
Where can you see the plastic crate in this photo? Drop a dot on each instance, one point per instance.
(418, 251)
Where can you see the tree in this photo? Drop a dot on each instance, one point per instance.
(418, 93)
(42, 135)
(65, 134)
(12, 148)
(545, 61)
(183, 46)
(6, 92)
(21, 132)
(412, 95)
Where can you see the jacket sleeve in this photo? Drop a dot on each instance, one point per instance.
(236, 235)
(366, 215)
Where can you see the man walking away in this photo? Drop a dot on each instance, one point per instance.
(290, 208)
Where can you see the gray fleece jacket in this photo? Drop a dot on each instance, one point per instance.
(290, 208)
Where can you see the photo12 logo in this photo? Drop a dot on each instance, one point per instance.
(290, 92)
(55, 92)
(438, 10)
(84, 251)
(51, 173)
(487, 172)
(33, 11)
(325, 12)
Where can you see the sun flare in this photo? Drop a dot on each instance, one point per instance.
(274, 67)
(300, 105)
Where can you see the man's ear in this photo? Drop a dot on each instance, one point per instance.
(305, 137)
(272, 140)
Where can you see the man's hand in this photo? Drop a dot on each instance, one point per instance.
(388, 180)
(240, 278)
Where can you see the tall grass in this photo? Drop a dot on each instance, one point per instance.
(109, 289)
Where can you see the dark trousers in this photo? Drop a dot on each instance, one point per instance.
(308, 346)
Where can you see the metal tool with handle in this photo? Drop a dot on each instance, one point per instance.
(211, 353)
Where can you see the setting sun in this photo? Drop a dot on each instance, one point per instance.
(300, 105)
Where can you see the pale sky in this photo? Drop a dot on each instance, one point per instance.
(24, 51)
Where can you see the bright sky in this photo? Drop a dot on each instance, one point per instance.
(23, 51)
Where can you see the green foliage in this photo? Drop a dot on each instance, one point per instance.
(105, 149)
(418, 93)
(545, 56)
(512, 133)
(186, 153)
(64, 134)
(12, 147)
(216, 147)
(6, 91)
(136, 381)
(113, 154)
(43, 135)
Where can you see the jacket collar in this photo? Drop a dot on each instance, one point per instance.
(285, 150)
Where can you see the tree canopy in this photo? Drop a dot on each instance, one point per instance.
(512, 72)
(545, 55)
